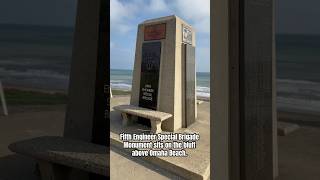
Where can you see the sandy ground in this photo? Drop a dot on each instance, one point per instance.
(26, 122)
(299, 155)
(299, 152)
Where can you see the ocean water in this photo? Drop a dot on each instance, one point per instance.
(35, 56)
(122, 80)
(39, 57)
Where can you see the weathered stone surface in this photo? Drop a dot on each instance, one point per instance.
(167, 90)
(194, 166)
(72, 153)
(143, 112)
(87, 111)
(244, 134)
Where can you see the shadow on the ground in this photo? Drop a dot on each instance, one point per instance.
(16, 167)
(169, 175)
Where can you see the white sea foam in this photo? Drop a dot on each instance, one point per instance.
(121, 86)
(32, 73)
(117, 81)
(292, 94)
(292, 81)
(203, 92)
(297, 104)
(21, 62)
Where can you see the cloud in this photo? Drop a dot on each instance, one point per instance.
(120, 14)
(126, 14)
(123, 12)
(157, 6)
(203, 26)
(203, 59)
(111, 44)
(196, 11)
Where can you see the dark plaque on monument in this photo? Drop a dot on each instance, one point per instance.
(190, 84)
(149, 79)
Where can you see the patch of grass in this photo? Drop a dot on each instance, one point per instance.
(119, 92)
(21, 97)
(24, 97)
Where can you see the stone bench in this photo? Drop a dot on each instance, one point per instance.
(55, 155)
(156, 117)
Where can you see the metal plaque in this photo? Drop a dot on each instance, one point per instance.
(190, 84)
(155, 32)
(149, 80)
(186, 35)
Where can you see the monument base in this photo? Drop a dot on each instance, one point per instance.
(195, 166)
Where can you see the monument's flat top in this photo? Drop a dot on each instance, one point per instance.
(73, 153)
(143, 112)
(165, 18)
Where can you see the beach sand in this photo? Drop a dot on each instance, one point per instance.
(299, 152)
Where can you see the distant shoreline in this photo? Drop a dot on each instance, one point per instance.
(20, 96)
(112, 69)
(36, 90)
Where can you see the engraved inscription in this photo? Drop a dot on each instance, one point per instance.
(149, 79)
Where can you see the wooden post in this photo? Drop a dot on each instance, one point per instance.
(243, 112)
(3, 100)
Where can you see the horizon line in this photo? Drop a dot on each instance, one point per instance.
(132, 70)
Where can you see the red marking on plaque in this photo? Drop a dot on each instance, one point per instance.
(155, 32)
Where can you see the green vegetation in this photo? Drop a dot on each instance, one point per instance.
(119, 92)
(21, 97)
(25, 97)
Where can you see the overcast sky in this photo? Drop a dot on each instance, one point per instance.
(292, 16)
(126, 15)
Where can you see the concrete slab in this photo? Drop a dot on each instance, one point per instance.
(143, 112)
(286, 128)
(195, 166)
(133, 167)
(299, 154)
(69, 152)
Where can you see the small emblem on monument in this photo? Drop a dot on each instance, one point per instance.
(186, 35)
(155, 32)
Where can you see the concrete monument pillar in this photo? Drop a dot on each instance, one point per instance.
(243, 112)
(87, 116)
(164, 70)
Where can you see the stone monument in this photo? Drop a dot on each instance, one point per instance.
(164, 70)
